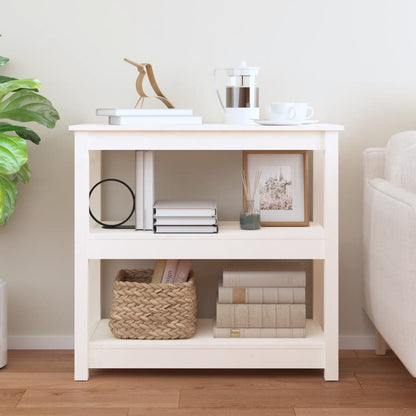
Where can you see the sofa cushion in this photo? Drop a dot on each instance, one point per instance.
(400, 165)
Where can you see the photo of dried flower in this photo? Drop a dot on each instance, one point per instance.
(276, 190)
(279, 183)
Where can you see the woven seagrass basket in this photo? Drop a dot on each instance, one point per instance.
(144, 310)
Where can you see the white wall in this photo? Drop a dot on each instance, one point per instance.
(353, 60)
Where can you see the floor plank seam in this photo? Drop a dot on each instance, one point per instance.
(20, 399)
(358, 381)
(179, 398)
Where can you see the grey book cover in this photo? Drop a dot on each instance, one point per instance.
(261, 315)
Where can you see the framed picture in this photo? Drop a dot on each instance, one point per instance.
(281, 192)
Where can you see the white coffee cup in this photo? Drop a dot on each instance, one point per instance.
(289, 112)
(303, 112)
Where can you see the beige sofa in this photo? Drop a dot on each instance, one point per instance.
(389, 245)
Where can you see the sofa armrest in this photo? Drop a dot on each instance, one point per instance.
(373, 162)
(400, 195)
(389, 265)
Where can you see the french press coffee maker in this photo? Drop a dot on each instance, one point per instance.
(241, 94)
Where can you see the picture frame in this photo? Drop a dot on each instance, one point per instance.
(282, 194)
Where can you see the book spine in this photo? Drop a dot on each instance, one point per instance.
(260, 315)
(259, 332)
(186, 229)
(286, 295)
(139, 202)
(185, 212)
(263, 278)
(182, 271)
(185, 220)
(149, 189)
(158, 271)
(170, 271)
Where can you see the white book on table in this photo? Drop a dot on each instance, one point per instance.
(185, 220)
(149, 189)
(186, 229)
(154, 120)
(139, 199)
(185, 209)
(138, 112)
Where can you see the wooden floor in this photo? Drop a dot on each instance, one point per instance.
(41, 383)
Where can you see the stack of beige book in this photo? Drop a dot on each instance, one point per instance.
(258, 300)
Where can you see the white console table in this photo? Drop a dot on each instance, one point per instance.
(95, 346)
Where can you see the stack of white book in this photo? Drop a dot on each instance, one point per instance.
(261, 301)
(151, 116)
(185, 217)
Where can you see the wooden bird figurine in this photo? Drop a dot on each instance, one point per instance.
(143, 70)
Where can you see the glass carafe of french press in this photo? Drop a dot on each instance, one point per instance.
(241, 94)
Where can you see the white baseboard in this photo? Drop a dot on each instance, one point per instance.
(66, 342)
(40, 342)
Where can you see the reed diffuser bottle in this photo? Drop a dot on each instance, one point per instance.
(250, 216)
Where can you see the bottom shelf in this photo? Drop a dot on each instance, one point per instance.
(205, 351)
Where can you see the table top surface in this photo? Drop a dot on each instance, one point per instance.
(206, 127)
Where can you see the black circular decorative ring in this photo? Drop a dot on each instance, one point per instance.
(132, 210)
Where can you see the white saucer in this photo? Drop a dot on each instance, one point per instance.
(284, 123)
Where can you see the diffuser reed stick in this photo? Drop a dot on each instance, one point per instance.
(250, 217)
(248, 195)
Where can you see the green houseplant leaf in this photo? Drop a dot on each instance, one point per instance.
(19, 101)
(23, 176)
(8, 195)
(27, 106)
(13, 154)
(5, 79)
(3, 60)
(17, 84)
(22, 131)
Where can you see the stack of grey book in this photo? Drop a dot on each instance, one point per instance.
(258, 300)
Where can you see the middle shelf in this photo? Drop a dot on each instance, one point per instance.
(229, 243)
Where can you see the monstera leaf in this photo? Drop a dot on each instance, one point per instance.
(19, 101)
